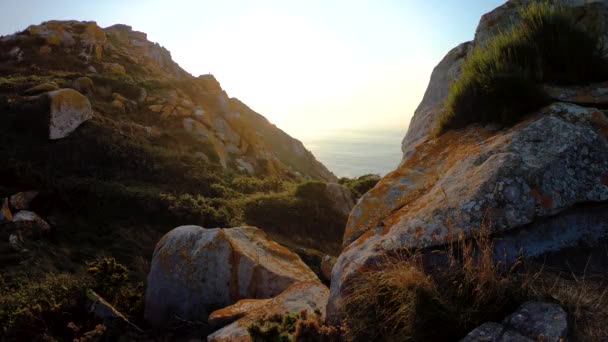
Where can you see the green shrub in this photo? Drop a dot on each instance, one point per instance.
(359, 186)
(108, 274)
(298, 327)
(298, 219)
(200, 210)
(41, 309)
(500, 82)
(313, 191)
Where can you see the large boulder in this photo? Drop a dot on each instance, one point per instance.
(69, 109)
(196, 270)
(521, 183)
(539, 187)
(307, 296)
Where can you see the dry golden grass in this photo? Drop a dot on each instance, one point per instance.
(402, 300)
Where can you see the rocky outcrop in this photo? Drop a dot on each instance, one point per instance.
(593, 13)
(69, 109)
(533, 321)
(540, 187)
(122, 72)
(307, 296)
(425, 116)
(195, 270)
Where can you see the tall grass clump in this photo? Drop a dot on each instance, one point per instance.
(501, 81)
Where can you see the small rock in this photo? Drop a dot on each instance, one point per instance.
(45, 50)
(156, 108)
(16, 243)
(92, 69)
(69, 109)
(29, 224)
(84, 85)
(487, 332)
(5, 212)
(539, 321)
(42, 88)
(22, 200)
(327, 265)
(195, 270)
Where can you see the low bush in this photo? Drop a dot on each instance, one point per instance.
(500, 82)
(360, 185)
(296, 327)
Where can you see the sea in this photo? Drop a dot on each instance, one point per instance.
(352, 153)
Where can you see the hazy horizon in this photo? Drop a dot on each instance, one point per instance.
(305, 66)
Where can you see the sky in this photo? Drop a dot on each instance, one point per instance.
(306, 65)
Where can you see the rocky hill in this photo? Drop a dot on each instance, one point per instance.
(107, 144)
(136, 82)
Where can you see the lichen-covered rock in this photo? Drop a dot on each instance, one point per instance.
(518, 179)
(68, 110)
(22, 200)
(195, 270)
(42, 88)
(310, 296)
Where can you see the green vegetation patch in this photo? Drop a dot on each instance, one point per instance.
(500, 82)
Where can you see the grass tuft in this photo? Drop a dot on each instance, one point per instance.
(500, 82)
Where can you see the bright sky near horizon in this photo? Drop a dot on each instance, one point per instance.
(305, 65)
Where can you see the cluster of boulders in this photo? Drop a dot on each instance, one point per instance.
(240, 271)
(18, 224)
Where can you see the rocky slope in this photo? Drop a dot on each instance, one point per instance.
(540, 187)
(149, 93)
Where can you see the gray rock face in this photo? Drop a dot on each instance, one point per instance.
(533, 321)
(523, 180)
(588, 12)
(487, 332)
(196, 270)
(425, 115)
(69, 109)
